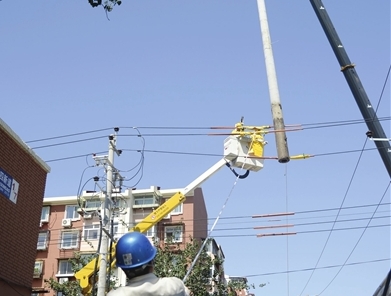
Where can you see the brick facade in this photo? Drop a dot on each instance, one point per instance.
(193, 210)
(19, 221)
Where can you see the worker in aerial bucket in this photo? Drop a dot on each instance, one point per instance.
(135, 256)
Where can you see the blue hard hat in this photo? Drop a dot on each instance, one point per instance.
(133, 250)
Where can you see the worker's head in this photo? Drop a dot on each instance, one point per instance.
(135, 254)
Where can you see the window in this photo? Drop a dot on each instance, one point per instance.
(146, 200)
(93, 204)
(69, 239)
(173, 233)
(151, 232)
(91, 232)
(38, 267)
(140, 214)
(177, 210)
(143, 200)
(71, 212)
(45, 214)
(64, 268)
(43, 238)
(115, 228)
(116, 233)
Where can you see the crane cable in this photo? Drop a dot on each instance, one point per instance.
(218, 216)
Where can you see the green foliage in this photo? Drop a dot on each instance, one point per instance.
(173, 261)
(72, 288)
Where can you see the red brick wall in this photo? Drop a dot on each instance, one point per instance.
(200, 215)
(19, 222)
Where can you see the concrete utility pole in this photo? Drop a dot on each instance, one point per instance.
(106, 216)
(278, 120)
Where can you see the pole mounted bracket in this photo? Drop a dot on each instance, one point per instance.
(347, 67)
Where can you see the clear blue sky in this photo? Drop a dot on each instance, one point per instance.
(66, 68)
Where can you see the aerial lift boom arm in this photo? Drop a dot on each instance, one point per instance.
(174, 201)
(236, 149)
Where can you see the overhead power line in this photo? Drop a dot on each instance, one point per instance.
(253, 234)
(73, 157)
(336, 218)
(203, 154)
(305, 125)
(69, 142)
(322, 267)
(359, 239)
(230, 218)
(69, 135)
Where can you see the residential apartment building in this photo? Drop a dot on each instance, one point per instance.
(71, 224)
(22, 186)
(217, 269)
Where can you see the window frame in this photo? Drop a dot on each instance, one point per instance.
(76, 215)
(69, 266)
(151, 232)
(38, 275)
(91, 228)
(177, 210)
(146, 197)
(173, 227)
(46, 241)
(93, 204)
(72, 246)
(116, 233)
(47, 214)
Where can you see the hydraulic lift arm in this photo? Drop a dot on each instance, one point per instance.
(236, 150)
(174, 201)
(85, 275)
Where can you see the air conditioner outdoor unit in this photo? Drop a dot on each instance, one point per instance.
(66, 222)
(63, 280)
(87, 216)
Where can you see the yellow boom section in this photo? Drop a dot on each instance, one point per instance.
(159, 213)
(85, 274)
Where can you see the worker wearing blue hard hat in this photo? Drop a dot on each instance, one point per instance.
(135, 256)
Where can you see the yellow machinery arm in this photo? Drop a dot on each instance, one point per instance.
(159, 213)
